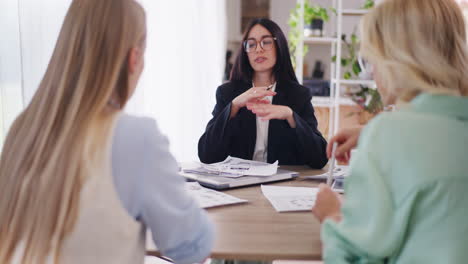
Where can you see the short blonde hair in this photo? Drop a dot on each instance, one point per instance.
(418, 46)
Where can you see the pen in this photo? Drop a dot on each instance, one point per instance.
(268, 87)
(332, 165)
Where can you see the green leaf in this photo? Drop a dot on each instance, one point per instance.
(347, 75)
(356, 68)
(334, 58)
(325, 16)
(369, 4)
(344, 62)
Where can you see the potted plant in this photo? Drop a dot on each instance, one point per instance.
(314, 17)
(369, 101)
(349, 60)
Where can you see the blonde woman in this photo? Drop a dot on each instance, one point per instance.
(61, 199)
(406, 199)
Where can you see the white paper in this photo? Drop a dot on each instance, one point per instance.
(207, 198)
(238, 166)
(339, 172)
(289, 199)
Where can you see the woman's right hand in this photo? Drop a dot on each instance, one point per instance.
(327, 204)
(346, 139)
(254, 94)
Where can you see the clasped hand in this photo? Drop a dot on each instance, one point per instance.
(254, 100)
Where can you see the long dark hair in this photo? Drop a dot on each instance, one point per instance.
(283, 69)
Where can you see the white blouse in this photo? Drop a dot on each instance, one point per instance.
(261, 145)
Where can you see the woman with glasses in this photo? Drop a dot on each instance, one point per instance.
(263, 113)
(407, 194)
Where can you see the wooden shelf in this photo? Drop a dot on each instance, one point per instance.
(354, 12)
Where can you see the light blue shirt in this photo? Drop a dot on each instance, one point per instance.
(150, 188)
(407, 197)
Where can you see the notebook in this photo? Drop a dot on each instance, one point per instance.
(217, 182)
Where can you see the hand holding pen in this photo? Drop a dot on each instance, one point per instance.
(266, 111)
(328, 203)
(346, 139)
(254, 94)
(332, 165)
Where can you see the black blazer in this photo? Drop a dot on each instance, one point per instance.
(303, 145)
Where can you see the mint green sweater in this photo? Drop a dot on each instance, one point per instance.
(407, 197)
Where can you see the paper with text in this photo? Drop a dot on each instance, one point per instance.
(207, 198)
(289, 199)
(244, 167)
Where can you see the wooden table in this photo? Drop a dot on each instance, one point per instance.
(255, 231)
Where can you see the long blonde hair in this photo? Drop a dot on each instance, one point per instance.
(418, 46)
(61, 138)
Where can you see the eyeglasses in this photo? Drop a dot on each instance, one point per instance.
(266, 43)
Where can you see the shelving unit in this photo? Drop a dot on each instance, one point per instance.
(354, 12)
(335, 100)
(319, 40)
(325, 101)
(357, 82)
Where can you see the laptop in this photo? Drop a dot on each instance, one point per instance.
(222, 183)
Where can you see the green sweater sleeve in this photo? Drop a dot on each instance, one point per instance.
(372, 227)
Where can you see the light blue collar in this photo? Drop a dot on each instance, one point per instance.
(454, 106)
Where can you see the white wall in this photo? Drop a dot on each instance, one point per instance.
(279, 12)
(233, 12)
(234, 34)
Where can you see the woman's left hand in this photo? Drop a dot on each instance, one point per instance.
(327, 204)
(267, 111)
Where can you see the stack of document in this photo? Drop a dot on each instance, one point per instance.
(207, 198)
(290, 199)
(242, 167)
(234, 172)
(202, 171)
